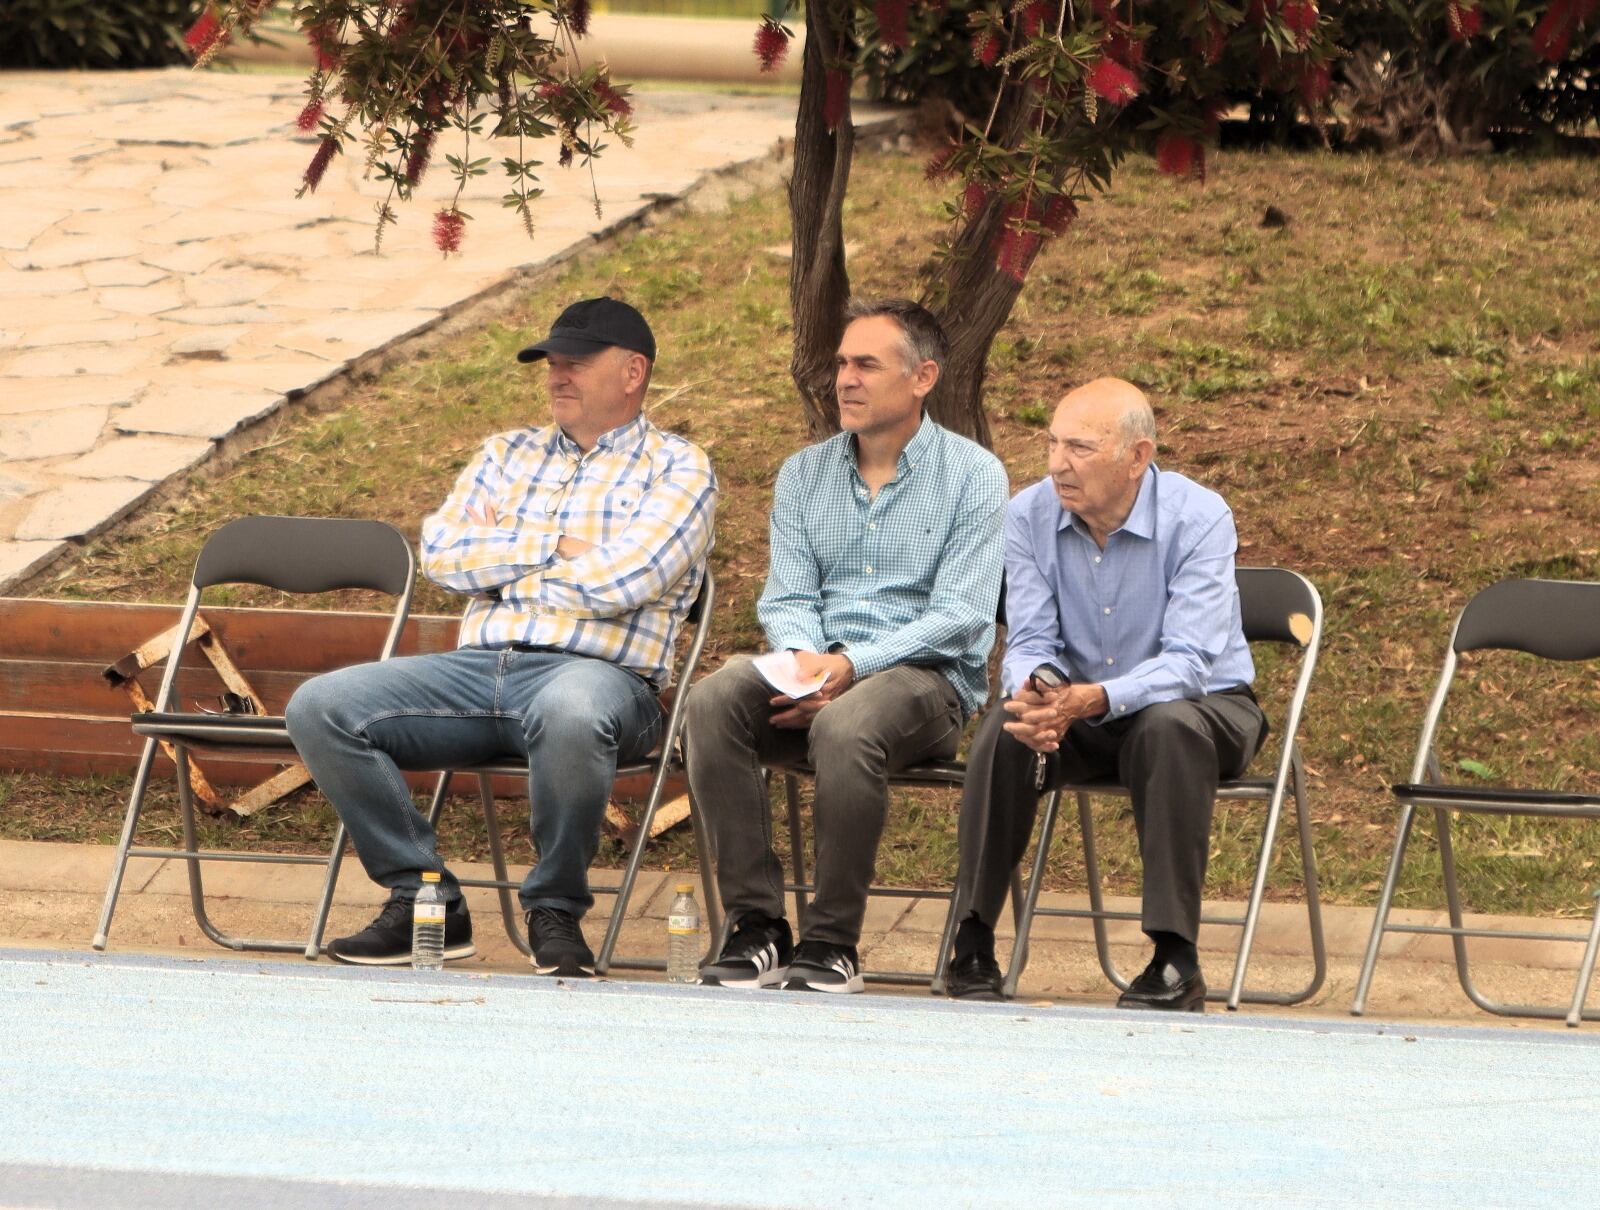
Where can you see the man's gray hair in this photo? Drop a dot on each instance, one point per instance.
(1137, 423)
(921, 337)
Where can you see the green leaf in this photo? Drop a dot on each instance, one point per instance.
(1476, 768)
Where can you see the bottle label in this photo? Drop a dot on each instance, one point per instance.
(683, 925)
(428, 913)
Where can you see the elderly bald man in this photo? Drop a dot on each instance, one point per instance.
(1125, 658)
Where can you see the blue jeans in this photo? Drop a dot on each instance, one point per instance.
(574, 718)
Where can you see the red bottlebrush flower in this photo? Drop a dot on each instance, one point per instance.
(1553, 35)
(324, 40)
(1467, 23)
(612, 99)
(309, 116)
(552, 91)
(1180, 156)
(1125, 49)
(1315, 81)
(1260, 10)
(417, 161)
(835, 98)
(973, 199)
(772, 45)
(203, 34)
(1210, 42)
(320, 161)
(892, 16)
(1034, 17)
(1059, 214)
(1301, 18)
(578, 17)
(942, 164)
(1113, 82)
(1016, 248)
(448, 227)
(985, 47)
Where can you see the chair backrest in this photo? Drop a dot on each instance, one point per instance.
(1277, 605)
(307, 555)
(1554, 619)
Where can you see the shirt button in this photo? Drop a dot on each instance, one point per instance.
(869, 568)
(1109, 660)
(1122, 710)
(1108, 609)
(1097, 558)
(872, 525)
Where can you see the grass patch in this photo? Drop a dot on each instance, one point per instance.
(1388, 391)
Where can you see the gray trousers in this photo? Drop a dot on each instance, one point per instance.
(1170, 756)
(876, 727)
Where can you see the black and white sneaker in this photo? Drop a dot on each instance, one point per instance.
(557, 943)
(756, 956)
(821, 966)
(387, 940)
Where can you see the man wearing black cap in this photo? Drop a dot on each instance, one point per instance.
(580, 547)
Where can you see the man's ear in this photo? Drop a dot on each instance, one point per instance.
(924, 379)
(1144, 452)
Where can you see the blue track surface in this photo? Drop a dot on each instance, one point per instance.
(142, 1082)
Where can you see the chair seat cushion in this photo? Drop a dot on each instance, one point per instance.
(1499, 798)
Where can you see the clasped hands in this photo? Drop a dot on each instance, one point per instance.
(567, 546)
(795, 714)
(1040, 717)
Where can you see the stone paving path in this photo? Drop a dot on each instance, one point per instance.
(161, 286)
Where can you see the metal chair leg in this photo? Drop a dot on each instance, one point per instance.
(319, 920)
(1381, 917)
(708, 882)
(630, 872)
(797, 849)
(1308, 867)
(509, 915)
(1030, 900)
(1091, 870)
(130, 822)
(1586, 971)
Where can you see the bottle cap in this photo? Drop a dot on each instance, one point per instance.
(430, 876)
(685, 888)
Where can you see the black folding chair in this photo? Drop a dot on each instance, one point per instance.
(301, 555)
(660, 764)
(1551, 619)
(1277, 606)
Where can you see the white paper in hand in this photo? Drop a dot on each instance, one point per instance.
(782, 671)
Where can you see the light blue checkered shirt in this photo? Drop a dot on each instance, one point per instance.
(911, 576)
(1152, 618)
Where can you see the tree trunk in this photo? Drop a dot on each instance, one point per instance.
(819, 284)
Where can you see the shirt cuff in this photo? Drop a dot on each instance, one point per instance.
(868, 658)
(793, 642)
(1122, 698)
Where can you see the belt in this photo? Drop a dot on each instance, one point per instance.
(536, 647)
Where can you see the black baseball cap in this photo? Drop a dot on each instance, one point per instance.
(591, 325)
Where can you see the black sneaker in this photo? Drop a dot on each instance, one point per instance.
(973, 973)
(821, 966)
(756, 956)
(387, 940)
(557, 943)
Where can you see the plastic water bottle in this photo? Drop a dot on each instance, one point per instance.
(683, 936)
(427, 926)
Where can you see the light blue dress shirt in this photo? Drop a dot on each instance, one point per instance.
(910, 576)
(1153, 617)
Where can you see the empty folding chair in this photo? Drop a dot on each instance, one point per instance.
(1551, 619)
(659, 765)
(1277, 606)
(301, 555)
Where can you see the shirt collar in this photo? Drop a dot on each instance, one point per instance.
(1141, 519)
(919, 447)
(623, 435)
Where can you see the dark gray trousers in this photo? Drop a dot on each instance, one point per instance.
(1170, 756)
(876, 727)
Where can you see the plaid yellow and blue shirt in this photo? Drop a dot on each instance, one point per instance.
(644, 499)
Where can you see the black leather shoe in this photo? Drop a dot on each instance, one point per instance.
(973, 977)
(1159, 986)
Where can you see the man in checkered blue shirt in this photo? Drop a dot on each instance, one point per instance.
(884, 578)
(579, 547)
